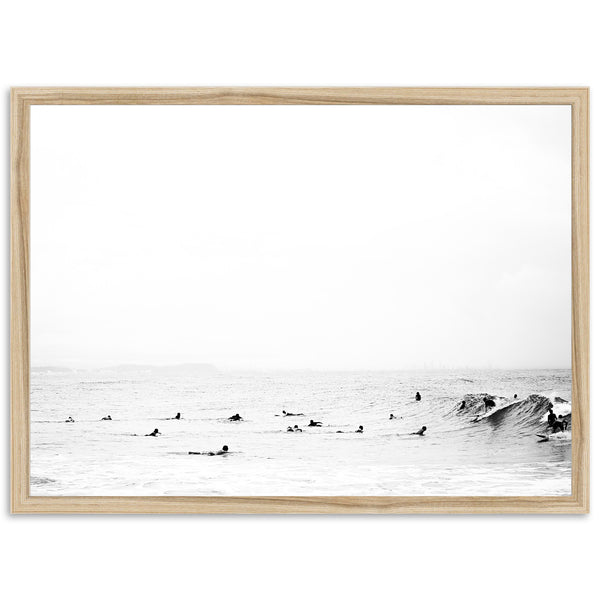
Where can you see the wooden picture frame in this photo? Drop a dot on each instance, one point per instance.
(22, 99)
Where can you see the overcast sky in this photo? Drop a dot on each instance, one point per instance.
(324, 237)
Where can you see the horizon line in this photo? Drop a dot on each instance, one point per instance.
(315, 369)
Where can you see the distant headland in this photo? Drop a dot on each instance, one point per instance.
(185, 369)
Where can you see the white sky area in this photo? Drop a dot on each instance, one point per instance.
(308, 237)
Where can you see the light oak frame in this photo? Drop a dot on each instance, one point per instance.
(21, 101)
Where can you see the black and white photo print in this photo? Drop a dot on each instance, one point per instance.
(300, 300)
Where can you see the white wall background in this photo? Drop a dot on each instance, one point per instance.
(524, 42)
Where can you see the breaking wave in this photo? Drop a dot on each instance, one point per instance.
(518, 416)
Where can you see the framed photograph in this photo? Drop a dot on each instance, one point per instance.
(299, 300)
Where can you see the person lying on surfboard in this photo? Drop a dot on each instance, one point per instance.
(235, 417)
(315, 423)
(107, 418)
(223, 450)
(420, 432)
(154, 433)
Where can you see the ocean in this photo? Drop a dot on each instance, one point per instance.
(465, 451)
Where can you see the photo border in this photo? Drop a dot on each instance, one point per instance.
(22, 98)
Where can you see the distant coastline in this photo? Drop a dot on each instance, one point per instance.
(179, 369)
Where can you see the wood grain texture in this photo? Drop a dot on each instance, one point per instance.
(21, 501)
(299, 95)
(19, 299)
(580, 301)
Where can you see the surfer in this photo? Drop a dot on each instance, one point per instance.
(360, 429)
(488, 403)
(107, 418)
(154, 433)
(223, 450)
(551, 417)
(297, 429)
(235, 417)
(315, 423)
(177, 417)
(418, 397)
(392, 416)
(559, 424)
(290, 429)
(70, 420)
(463, 405)
(515, 396)
(289, 414)
(420, 432)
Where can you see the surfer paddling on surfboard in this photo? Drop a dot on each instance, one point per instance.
(223, 450)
